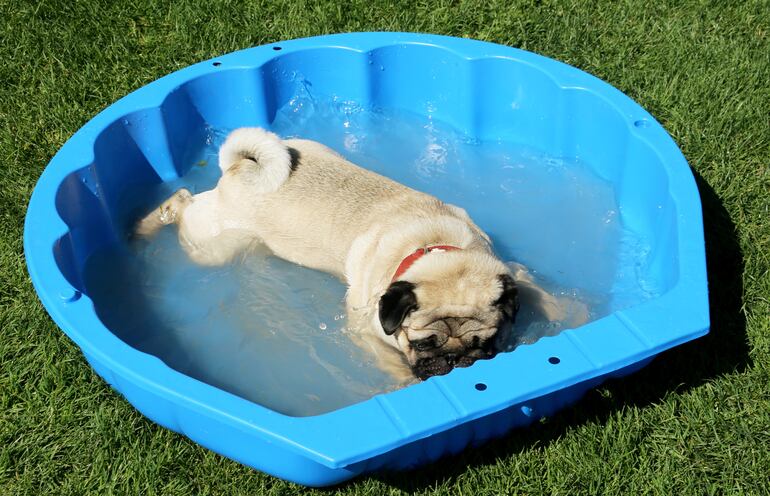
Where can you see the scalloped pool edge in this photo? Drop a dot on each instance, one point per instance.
(383, 432)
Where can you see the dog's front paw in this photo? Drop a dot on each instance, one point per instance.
(575, 313)
(565, 310)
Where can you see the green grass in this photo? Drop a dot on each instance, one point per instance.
(696, 421)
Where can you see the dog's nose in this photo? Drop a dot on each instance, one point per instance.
(450, 358)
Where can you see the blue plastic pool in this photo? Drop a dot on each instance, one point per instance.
(90, 192)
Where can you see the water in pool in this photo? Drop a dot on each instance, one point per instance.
(275, 333)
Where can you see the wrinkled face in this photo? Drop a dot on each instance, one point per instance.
(447, 315)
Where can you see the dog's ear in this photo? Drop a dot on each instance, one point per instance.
(508, 303)
(397, 302)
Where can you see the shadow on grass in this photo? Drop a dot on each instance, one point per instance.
(724, 350)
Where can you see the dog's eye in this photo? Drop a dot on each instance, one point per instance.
(476, 342)
(424, 344)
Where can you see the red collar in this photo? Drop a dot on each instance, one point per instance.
(417, 254)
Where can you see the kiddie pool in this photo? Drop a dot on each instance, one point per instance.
(90, 192)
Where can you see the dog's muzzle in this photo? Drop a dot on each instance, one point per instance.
(443, 364)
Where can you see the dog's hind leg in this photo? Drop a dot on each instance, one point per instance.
(201, 232)
(217, 225)
(169, 212)
(210, 231)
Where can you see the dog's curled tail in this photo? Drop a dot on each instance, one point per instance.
(259, 154)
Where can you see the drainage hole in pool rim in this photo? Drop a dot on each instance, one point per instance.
(554, 360)
(70, 296)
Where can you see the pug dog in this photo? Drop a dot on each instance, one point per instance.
(425, 292)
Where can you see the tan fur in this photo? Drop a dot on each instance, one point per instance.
(334, 216)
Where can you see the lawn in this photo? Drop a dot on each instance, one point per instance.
(696, 421)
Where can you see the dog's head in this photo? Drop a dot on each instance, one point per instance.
(449, 310)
